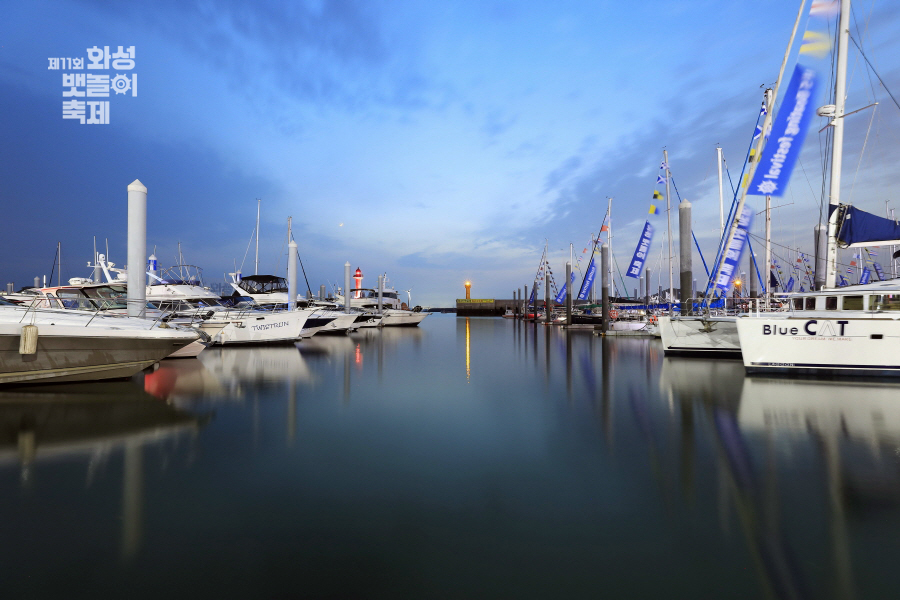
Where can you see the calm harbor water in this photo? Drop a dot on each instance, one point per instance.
(466, 458)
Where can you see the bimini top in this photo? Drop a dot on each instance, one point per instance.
(263, 284)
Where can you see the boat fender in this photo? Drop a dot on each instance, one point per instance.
(28, 340)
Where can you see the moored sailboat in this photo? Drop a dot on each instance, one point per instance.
(836, 330)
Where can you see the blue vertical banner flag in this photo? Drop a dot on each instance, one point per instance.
(640, 253)
(866, 274)
(561, 296)
(789, 286)
(788, 130)
(588, 282)
(879, 271)
(735, 251)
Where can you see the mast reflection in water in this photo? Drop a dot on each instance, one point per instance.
(468, 457)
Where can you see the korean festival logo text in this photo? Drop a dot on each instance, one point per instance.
(82, 92)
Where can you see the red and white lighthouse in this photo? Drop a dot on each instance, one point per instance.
(357, 277)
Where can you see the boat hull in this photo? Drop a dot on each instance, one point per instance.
(264, 328)
(402, 318)
(699, 336)
(190, 351)
(66, 353)
(816, 346)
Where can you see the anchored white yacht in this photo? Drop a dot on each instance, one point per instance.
(395, 312)
(40, 344)
(83, 294)
(843, 331)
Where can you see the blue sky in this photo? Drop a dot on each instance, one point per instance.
(437, 142)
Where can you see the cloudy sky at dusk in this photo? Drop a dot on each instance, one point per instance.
(434, 141)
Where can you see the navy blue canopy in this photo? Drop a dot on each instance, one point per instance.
(857, 228)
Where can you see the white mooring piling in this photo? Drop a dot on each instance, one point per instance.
(137, 249)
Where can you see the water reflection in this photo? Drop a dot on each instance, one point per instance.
(468, 352)
(249, 367)
(90, 424)
(421, 455)
(768, 434)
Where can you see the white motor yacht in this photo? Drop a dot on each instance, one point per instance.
(85, 295)
(272, 291)
(245, 325)
(40, 345)
(395, 312)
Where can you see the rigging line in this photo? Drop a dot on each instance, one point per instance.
(732, 212)
(756, 265)
(808, 182)
(619, 271)
(861, 153)
(241, 270)
(696, 243)
(789, 249)
(727, 172)
(866, 58)
(53, 268)
(302, 268)
(856, 24)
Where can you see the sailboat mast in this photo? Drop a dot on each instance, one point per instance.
(669, 223)
(612, 281)
(837, 146)
(770, 103)
(768, 265)
(719, 160)
(256, 265)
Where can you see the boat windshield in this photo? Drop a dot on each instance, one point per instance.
(110, 296)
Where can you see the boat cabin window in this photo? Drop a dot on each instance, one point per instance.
(798, 303)
(810, 303)
(885, 302)
(852, 303)
(830, 302)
